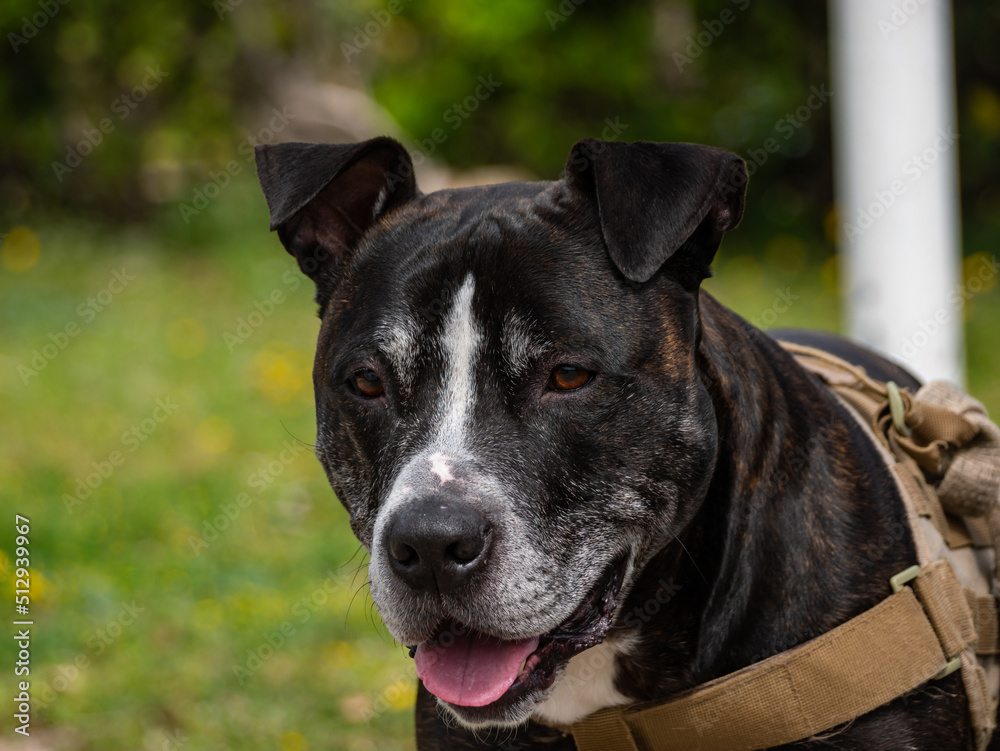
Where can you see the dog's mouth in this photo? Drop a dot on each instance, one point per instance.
(470, 669)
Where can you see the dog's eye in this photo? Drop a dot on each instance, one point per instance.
(569, 377)
(367, 383)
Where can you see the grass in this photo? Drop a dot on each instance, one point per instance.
(207, 592)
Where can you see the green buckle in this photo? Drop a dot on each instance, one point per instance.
(899, 581)
(896, 409)
(903, 577)
(953, 664)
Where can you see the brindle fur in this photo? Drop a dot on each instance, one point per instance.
(767, 564)
(774, 520)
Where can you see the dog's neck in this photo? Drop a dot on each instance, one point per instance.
(791, 538)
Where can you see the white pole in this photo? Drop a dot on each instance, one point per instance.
(895, 155)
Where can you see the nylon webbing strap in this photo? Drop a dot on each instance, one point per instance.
(943, 597)
(849, 671)
(604, 731)
(984, 613)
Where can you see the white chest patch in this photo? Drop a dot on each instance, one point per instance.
(586, 685)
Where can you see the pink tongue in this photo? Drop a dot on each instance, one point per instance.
(473, 670)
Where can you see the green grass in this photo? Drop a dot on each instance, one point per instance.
(203, 608)
(163, 670)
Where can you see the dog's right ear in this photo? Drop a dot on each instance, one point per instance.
(324, 197)
(660, 202)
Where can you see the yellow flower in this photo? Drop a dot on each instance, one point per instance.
(280, 372)
(21, 249)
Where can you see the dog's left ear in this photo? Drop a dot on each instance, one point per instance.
(660, 202)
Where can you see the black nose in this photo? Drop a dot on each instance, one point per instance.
(438, 545)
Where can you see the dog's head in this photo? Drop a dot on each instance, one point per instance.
(507, 390)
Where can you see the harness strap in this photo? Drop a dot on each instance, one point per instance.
(891, 649)
(605, 730)
(944, 453)
(984, 613)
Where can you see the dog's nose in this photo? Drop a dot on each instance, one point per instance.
(438, 545)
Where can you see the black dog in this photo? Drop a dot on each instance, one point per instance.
(582, 481)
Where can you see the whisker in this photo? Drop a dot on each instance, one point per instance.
(693, 561)
(351, 603)
(310, 446)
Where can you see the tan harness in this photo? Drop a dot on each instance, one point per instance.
(944, 454)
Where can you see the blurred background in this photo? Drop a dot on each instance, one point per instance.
(194, 582)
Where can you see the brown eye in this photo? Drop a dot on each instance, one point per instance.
(569, 377)
(367, 383)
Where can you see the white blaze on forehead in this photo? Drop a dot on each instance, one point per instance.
(460, 342)
(439, 466)
(433, 464)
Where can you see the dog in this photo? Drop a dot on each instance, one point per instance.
(582, 481)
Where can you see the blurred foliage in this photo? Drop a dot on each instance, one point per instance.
(725, 72)
(705, 72)
(66, 66)
(169, 612)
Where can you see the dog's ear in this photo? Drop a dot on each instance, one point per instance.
(660, 202)
(324, 197)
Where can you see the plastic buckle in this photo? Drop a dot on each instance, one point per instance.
(900, 580)
(896, 409)
(953, 664)
(897, 583)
